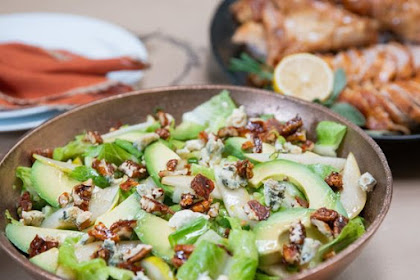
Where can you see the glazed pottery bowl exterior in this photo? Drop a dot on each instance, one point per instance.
(133, 108)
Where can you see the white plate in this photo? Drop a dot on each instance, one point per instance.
(26, 122)
(82, 35)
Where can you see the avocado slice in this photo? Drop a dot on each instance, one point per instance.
(21, 236)
(47, 260)
(155, 231)
(50, 182)
(233, 146)
(157, 156)
(187, 130)
(271, 234)
(131, 136)
(317, 192)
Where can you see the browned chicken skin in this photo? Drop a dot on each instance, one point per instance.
(400, 16)
(299, 26)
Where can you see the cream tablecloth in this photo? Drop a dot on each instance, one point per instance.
(176, 35)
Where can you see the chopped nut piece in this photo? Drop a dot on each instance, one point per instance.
(302, 202)
(102, 253)
(258, 144)
(297, 233)
(128, 184)
(82, 194)
(163, 133)
(104, 168)
(323, 227)
(256, 126)
(101, 232)
(202, 206)
(202, 186)
(137, 253)
(328, 255)
(134, 267)
(269, 136)
(335, 181)
(40, 245)
(285, 129)
(133, 169)
(171, 164)
(307, 146)
(117, 125)
(151, 205)
(164, 118)
(123, 228)
(256, 211)
(214, 210)
(244, 168)
(248, 145)
(291, 254)
(226, 132)
(325, 215)
(203, 136)
(25, 203)
(64, 199)
(339, 224)
(187, 200)
(182, 253)
(42, 152)
(298, 136)
(93, 137)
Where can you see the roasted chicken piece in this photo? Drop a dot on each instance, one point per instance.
(299, 26)
(400, 16)
(379, 63)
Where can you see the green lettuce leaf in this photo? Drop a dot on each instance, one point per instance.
(350, 233)
(212, 113)
(111, 153)
(95, 269)
(83, 173)
(206, 257)
(205, 171)
(329, 137)
(128, 147)
(24, 174)
(73, 149)
(244, 262)
(189, 233)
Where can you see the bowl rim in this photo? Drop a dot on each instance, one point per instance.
(16, 255)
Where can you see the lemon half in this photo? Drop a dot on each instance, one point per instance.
(304, 76)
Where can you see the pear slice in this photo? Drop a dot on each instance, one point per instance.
(352, 196)
(66, 167)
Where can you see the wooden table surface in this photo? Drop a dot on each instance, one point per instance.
(176, 35)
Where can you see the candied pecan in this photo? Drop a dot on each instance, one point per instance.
(102, 253)
(134, 267)
(133, 169)
(117, 125)
(64, 199)
(228, 131)
(25, 203)
(104, 168)
(335, 181)
(297, 233)
(298, 136)
(256, 126)
(182, 253)
(40, 245)
(257, 211)
(302, 202)
(163, 118)
(138, 256)
(291, 254)
(123, 228)
(151, 205)
(42, 152)
(163, 133)
(101, 232)
(187, 200)
(247, 145)
(269, 136)
(285, 129)
(306, 146)
(339, 224)
(244, 168)
(201, 206)
(258, 144)
(93, 137)
(325, 215)
(82, 194)
(171, 164)
(328, 255)
(203, 136)
(127, 185)
(202, 186)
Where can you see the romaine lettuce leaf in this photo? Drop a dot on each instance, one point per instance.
(189, 233)
(83, 173)
(129, 147)
(329, 136)
(244, 262)
(111, 153)
(73, 149)
(24, 174)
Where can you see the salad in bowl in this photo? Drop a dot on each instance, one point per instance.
(221, 195)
